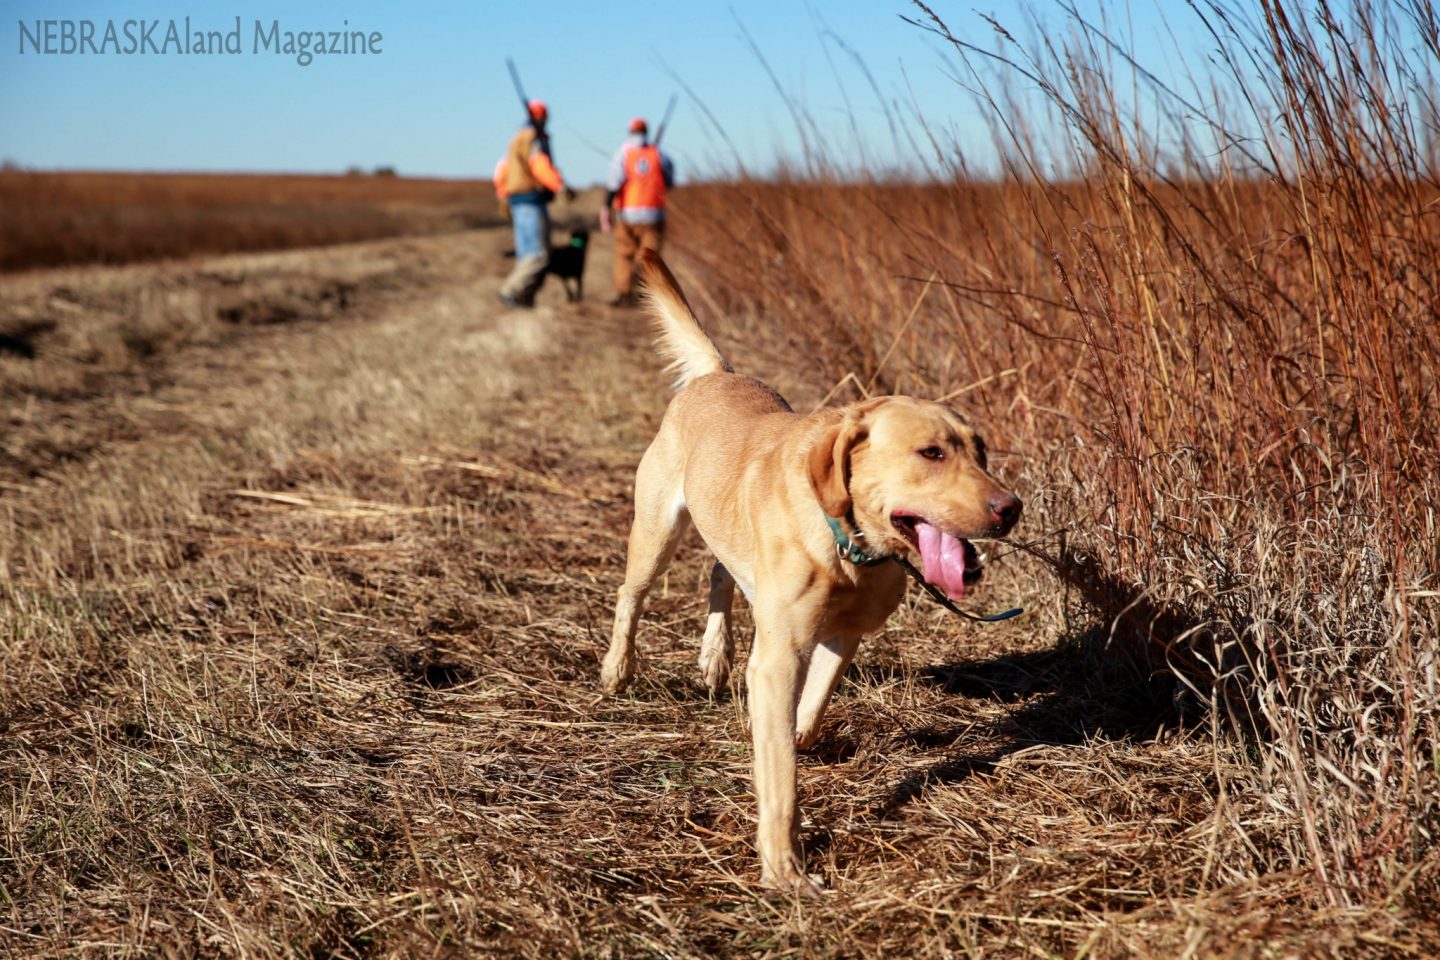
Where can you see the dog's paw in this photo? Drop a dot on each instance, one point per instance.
(809, 724)
(714, 668)
(616, 674)
(794, 882)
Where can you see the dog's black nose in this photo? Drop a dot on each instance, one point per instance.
(1005, 508)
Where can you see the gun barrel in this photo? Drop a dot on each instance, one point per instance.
(519, 87)
(525, 106)
(665, 120)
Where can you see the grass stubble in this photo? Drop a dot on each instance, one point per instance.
(308, 560)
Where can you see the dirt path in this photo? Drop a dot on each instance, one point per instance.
(308, 564)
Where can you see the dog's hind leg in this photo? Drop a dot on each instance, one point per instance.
(660, 521)
(717, 650)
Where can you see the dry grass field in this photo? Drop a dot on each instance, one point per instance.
(307, 560)
(302, 622)
(54, 219)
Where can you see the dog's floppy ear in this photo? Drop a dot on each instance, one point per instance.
(830, 464)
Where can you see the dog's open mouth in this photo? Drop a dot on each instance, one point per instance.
(949, 562)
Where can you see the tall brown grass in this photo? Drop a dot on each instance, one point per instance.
(1213, 364)
(54, 219)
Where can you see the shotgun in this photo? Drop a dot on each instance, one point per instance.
(664, 121)
(525, 107)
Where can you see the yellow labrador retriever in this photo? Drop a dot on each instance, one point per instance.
(803, 513)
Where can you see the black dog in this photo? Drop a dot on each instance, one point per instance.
(568, 263)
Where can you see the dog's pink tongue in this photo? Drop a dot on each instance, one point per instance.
(943, 558)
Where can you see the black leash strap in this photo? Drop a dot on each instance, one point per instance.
(949, 604)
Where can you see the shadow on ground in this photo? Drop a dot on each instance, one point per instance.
(1080, 690)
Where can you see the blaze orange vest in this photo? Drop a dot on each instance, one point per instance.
(644, 183)
(518, 178)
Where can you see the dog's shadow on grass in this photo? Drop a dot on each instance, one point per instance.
(1080, 690)
(1105, 681)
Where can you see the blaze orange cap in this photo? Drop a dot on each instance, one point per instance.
(638, 125)
(538, 111)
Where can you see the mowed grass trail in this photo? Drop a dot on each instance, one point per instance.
(306, 568)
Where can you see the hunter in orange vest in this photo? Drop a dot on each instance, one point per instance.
(640, 175)
(526, 179)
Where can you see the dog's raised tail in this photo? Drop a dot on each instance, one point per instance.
(682, 340)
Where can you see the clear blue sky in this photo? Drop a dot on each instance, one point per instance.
(438, 100)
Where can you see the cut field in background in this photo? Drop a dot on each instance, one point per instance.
(53, 219)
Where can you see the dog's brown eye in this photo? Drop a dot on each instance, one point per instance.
(932, 453)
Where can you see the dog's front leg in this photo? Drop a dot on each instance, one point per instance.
(828, 664)
(717, 649)
(774, 677)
